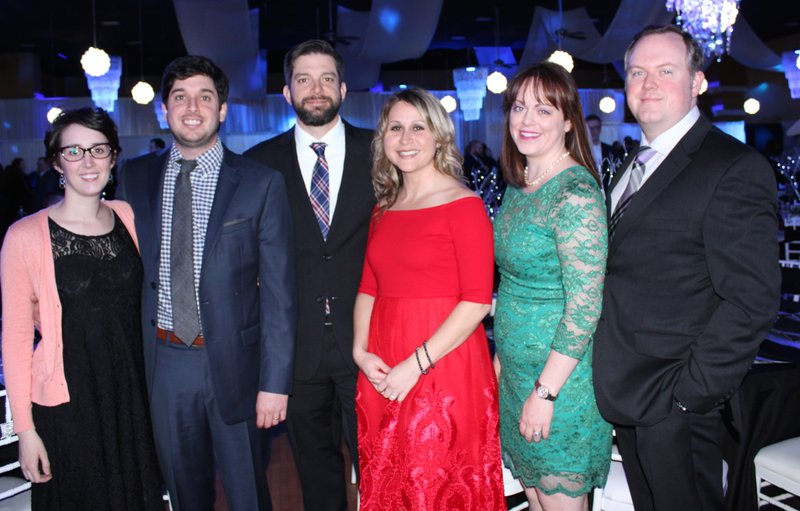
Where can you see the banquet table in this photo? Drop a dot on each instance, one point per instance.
(765, 410)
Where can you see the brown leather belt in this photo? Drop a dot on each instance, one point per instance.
(166, 335)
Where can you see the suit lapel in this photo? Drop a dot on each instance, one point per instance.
(675, 163)
(227, 185)
(349, 184)
(615, 181)
(154, 194)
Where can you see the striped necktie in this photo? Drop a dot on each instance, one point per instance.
(634, 183)
(320, 191)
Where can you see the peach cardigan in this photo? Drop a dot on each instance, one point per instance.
(27, 275)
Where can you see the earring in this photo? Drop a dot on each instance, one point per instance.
(110, 178)
(61, 181)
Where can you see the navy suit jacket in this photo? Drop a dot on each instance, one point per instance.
(692, 283)
(325, 268)
(247, 305)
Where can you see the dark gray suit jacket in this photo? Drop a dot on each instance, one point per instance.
(247, 305)
(692, 282)
(329, 268)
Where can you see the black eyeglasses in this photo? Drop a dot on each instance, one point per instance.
(76, 153)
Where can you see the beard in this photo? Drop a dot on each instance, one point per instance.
(317, 117)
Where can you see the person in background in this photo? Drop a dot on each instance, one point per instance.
(426, 395)
(218, 314)
(73, 271)
(157, 144)
(550, 245)
(601, 152)
(323, 152)
(692, 284)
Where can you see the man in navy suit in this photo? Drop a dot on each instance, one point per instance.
(211, 394)
(692, 282)
(329, 264)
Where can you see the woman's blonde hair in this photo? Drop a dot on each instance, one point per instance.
(386, 177)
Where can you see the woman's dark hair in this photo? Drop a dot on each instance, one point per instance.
(550, 84)
(193, 65)
(93, 118)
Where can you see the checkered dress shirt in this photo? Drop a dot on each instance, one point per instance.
(204, 183)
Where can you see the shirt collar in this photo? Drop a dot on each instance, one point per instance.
(666, 142)
(209, 160)
(334, 137)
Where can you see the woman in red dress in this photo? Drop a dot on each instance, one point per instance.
(427, 395)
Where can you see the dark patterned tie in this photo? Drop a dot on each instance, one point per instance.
(185, 318)
(320, 191)
(634, 183)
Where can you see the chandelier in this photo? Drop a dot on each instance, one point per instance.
(709, 21)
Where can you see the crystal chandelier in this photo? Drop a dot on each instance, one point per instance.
(709, 21)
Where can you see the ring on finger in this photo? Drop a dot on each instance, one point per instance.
(393, 397)
(537, 434)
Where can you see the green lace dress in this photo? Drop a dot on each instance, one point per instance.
(551, 246)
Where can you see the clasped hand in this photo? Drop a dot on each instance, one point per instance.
(393, 383)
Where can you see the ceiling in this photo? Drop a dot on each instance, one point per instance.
(57, 32)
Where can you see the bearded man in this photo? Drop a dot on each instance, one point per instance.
(326, 164)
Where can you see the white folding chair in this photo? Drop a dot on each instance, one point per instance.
(512, 486)
(615, 495)
(779, 465)
(14, 491)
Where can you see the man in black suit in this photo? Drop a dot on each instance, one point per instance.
(692, 281)
(329, 263)
(218, 311)
(601, 152)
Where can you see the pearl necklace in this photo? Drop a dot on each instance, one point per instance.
(545, 173)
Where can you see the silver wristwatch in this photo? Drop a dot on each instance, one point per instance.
(543, 392)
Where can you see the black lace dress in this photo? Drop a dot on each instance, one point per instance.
(100, 443)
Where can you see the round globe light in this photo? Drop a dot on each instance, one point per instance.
(563, 59)
(53, 113)
(752, 106)
(95, 62)
(607, 105)
(449, 103)
(143, 93)
(496, 82)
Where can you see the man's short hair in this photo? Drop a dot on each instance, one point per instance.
(307, 48)
(694, 54)
(593, 117)
(193, 65)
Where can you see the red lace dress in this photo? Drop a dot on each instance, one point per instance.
(439, 449)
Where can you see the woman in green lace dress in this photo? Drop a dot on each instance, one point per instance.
(550, 245)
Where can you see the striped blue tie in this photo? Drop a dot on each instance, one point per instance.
(320, 191)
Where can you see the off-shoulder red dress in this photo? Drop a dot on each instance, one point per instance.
(439, 449)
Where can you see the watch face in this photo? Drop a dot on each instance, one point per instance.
(542, 392)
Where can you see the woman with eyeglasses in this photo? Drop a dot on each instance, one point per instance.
(78, 398)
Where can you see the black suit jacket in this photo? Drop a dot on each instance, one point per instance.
(692, 282)
(247, 304)
(329, 268)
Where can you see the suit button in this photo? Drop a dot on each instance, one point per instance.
(153, 285)
(320, 299)
(153, 322)
(332, 298)
(327, 257)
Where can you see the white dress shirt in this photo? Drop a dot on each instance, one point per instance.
(663, 145)
(334, 154)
